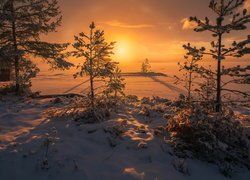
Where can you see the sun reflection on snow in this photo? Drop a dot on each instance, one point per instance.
(134, 172)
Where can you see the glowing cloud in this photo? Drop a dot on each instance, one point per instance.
(187, 24)
(124, 25)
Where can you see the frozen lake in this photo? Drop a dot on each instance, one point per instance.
(54, 82)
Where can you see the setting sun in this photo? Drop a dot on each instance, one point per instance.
(123, 51)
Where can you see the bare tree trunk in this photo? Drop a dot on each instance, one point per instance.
(92, 95)
(189, 85)
(17, 74)
(218, 89)
(91, 78)
(218, 95)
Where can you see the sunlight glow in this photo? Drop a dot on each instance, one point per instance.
(123, 51)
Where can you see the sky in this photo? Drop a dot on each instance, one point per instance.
(153, 29)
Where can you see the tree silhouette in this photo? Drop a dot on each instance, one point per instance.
(145, 67)
(22, 22)
(115, 84)
(190, 68)
(96, 53)
(228, 19)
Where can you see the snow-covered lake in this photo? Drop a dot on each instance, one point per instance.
(54, 82)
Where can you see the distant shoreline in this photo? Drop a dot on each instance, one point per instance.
(149, 74)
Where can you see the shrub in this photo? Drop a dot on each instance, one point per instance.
(132, 98)
(218, 138)
(9, 88)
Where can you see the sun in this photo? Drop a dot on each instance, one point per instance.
(123, 51)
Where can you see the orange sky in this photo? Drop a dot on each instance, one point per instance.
(153, 29)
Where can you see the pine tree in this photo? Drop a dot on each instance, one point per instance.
(22, 22)
(228, 19)
(145, 67)
(96, 53)
(190, 67)
(207, 87)
(115, 85)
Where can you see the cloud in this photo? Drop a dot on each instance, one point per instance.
(187, 24)
(124, 25)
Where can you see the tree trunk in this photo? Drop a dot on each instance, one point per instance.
(218, 89)
(17, 68)
(189, 85)
(91, 78)
(17, 74)
(92, 94)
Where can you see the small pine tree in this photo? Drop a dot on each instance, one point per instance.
(22, 22)
(96, 53)
(228, 19)
(190, 67)
(28, 70)
(207, 87)
(145, 67)
(115, 85)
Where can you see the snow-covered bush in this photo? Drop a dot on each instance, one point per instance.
(132, 98)
(218, 138)
(144, 111)
(116, 132)
(79, 110)
(145, 100)
(7, 88)
(160, 108)
(181, 102)
(226, 169)
(90, 116)
(181, 166)
(157, 100)
(28, 70)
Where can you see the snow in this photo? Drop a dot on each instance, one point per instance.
(84, 151)
(57, 82)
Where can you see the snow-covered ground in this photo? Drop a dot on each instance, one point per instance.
(89, 151)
